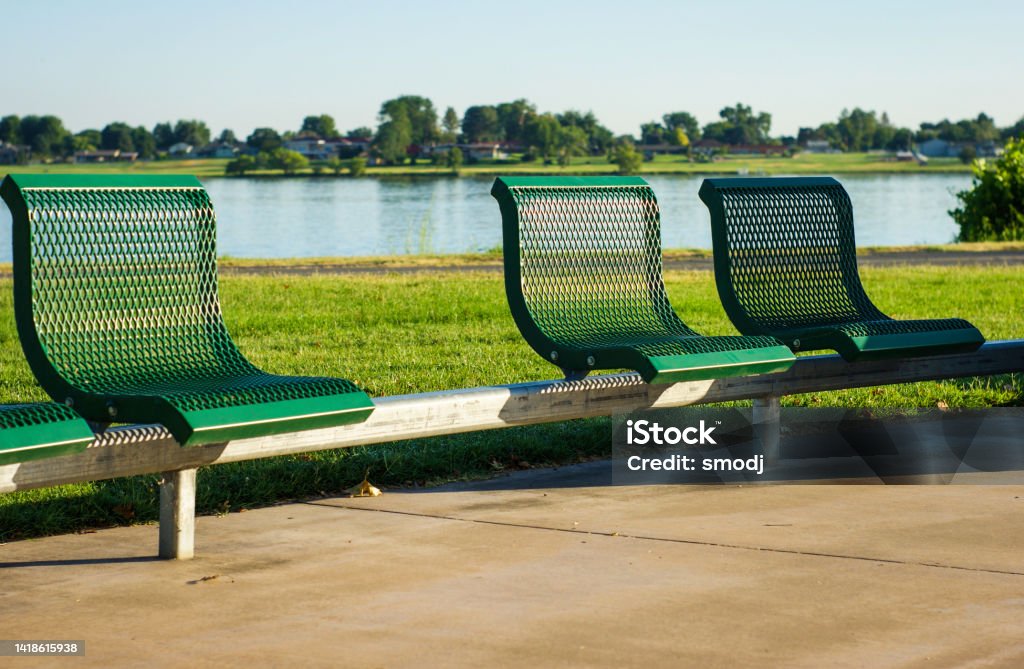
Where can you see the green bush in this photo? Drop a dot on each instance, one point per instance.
(627, 158)
(993, 208)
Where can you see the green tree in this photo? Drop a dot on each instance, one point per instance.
(361, 132)
(599, 138)
(322, 126)
(740, 125)
(902, 140)
(450, 126)
(857, 129)
(117, 137)
(288, 161)
(144, 142)
(227, 136)
(513, 118)
(264, 139)
(480, 123)
(357, 166)
(87, 140)
(240, 165)
(163, 133)
(453, 160)
(46, 135)
(993, 208)
(394, 135)
(572, 141)
(627, 158)
(420, 113)
(10, 129)
(684, 121)
(653, 133)
(191, 131)
(542, 134)
(335, 164)
(1015, 130)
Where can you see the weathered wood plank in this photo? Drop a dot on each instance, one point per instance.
(150, 449)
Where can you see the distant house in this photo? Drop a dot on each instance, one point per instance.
(819, 146)
(476, 150)
(757, 149)
(106, 156)
(313, 148)
(180, 149)
(10, 154)
(218, 150)
(938, 148)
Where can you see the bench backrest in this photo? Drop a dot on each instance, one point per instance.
(116, 281)
(785, 255)
(583, 258)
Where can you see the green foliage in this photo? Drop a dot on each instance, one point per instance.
(288, 161)
(480, 123)
(322, 126)
(513, 117)
(362, 132)
(191, 131)
(10, 129)
(117, 136)
(993, 208)
(627, 158)
(740, 125)
(335, 165)
(264, 139)
(87, 140)
(421, 115)
(357, 166)
(967, 154)
(572, 141)
(393, 136)
(163, 133)
(450, 126)
(684, 121)
(240, 165)
(453, 159)
(597, 138)
(979, 129)
(227, 136)
(46, 135)
(542, 134)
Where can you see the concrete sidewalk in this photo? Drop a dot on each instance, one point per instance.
(545, 569)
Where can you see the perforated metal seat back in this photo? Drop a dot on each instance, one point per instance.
(785, 252)
(117, 309)
(589, 260)
(124, 284)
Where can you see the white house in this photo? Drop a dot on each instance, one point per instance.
(180, 149)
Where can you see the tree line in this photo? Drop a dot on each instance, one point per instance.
(408, 125)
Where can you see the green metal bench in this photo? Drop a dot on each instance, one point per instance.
(584, 284)
(115, 281)
(786, 266)
(40, 430)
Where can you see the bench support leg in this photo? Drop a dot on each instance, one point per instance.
(178, 514)
(767, 416)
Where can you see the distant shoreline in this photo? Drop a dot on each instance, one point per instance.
(805, 163)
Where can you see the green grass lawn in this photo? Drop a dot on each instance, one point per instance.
(803, 163)
(408, 333)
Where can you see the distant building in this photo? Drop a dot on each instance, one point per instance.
(313, 148)
(218, 150)
(819, 146)
(11, 154)
(942, 148)
(477, 150)
(180, 149)
(106, 156)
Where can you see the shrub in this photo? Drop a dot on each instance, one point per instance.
(993, 208)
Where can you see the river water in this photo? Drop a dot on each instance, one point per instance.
(285, 218)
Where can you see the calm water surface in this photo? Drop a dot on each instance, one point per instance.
(285, 218)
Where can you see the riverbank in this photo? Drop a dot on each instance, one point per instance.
(803, 163)
(408, 332)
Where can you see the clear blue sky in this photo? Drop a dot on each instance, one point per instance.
(246, 64)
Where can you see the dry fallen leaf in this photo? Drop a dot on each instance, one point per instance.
(942, 405)
(364, 489)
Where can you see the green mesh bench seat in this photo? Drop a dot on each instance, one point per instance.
(115, 281)
(786, 266)
(584, 284)
(40, 430)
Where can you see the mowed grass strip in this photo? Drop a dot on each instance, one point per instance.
(416, 332)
